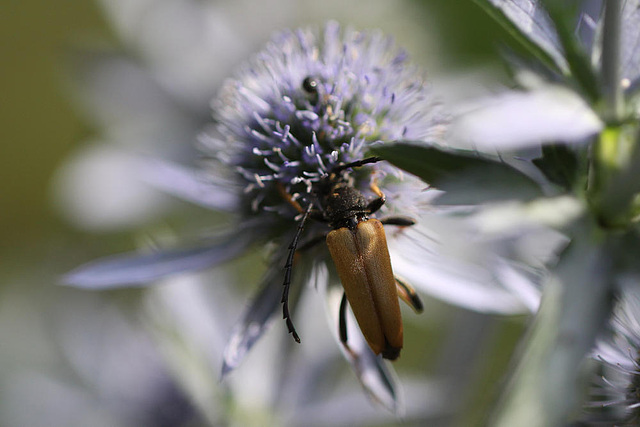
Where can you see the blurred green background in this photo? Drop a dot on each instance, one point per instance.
(39, 128)
(38, 125)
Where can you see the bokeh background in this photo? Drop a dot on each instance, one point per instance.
(135, 358)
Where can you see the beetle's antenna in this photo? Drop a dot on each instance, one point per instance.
(287, 275)
(356, 164)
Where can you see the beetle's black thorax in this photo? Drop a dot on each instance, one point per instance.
(342, 204)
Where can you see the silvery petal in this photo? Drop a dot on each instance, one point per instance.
(554, 212)
(533, 22)
(255, 319)
(518, 119)
(138, 269)
(439, 257)
(630, 52)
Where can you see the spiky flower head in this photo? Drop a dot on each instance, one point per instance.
(311, 100)
(617, 394)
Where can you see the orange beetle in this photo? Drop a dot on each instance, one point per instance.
(358, 247)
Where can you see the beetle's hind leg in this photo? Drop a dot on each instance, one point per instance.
(342, 324)
(342, 320)
(407, 294)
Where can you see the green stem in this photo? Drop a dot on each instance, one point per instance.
(611, 61)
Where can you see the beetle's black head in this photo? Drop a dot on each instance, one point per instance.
(343, 205)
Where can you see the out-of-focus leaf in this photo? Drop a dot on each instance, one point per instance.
(190, 185)
(181, 317)
(97, 188)
(517, 119)
(255, 319)
(138, 269)
(114, 90)
(467, 177)
(578, 59)
(530, 25)
(628, 257)
(546, 385)
(257, 316)
(555, 212)
(559, 164)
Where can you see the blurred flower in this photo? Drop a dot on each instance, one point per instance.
(552, 102)
(616, 397)
(91, 365)
(189, 320)
(151, 99)
(559, 155)
(309, 102)
(104, 170)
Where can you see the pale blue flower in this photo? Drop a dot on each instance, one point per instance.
(615, 398)
(310, 101)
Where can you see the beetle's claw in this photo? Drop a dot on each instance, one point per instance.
(292, 330)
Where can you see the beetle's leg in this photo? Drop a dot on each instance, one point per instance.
(376, 203)
(287, 276)
(314, 214)
(342, 320)
(342, 326)
(287, 197)
(401, 220)
(376, 190)
(409, 295)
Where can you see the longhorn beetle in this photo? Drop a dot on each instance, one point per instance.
(358, 247)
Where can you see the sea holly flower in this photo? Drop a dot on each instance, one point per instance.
(310, 102)
(562, 150)
(615, 397)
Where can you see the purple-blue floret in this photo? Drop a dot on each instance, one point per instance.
(314, 99)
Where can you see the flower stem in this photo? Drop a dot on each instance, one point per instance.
(611, 61)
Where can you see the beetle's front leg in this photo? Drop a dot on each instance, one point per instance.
(376, 203)
(400, 220)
